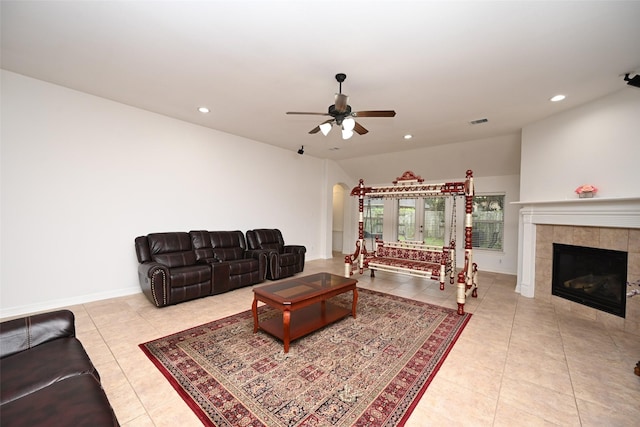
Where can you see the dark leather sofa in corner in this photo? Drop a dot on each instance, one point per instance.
(46, 376)
(179, 266)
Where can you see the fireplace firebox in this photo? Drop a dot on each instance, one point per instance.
(590, 276)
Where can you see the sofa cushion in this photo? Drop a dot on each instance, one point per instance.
(229, 254)
(24, 333)
(176, 259)
(171, 249)
(31, 370)
(244, 266)
(77, 401)
(190, 275)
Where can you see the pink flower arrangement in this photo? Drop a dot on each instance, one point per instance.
(587, 188)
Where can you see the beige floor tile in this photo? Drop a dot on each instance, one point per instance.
(120, 392)
(535, 367)
(141, 421)
(596, 415)
(460, 405)
(555, 407)
(96, 347)
(610, 384)
(509, 416)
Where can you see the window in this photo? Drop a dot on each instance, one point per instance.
(433, 222)
(422, 220)
(488, 222)
(407, 219)
(373, 218)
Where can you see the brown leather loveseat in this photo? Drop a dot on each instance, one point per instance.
(179, 266)
(284, 260)
(46, 377)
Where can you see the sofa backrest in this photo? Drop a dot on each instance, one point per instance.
(223, 245)
(23, 333)
(265, 238)
(170, 249)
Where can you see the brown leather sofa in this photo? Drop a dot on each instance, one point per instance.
(46, 376)
(284, 260)
(180, 266)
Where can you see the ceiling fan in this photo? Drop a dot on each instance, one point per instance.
(342, 115)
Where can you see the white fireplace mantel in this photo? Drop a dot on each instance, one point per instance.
(594, 212)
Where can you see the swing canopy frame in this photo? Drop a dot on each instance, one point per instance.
(407, 186)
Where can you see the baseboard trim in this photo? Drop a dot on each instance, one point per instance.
(23, 310)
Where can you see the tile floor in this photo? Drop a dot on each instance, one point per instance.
(518, 362)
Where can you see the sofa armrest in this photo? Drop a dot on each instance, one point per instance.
(296, 249)
(257, 253)
(154, 281)
(22, 334)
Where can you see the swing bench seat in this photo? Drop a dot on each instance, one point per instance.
(414, 259)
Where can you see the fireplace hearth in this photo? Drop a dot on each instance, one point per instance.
(591, 276)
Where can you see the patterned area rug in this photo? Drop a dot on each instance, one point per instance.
(369, 371)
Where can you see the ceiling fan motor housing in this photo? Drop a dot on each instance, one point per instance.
(339, 115)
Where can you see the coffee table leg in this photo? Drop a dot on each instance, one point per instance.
(286, 323)
(254, 309)
(355, 302)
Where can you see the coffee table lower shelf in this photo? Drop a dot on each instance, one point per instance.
(304, 320)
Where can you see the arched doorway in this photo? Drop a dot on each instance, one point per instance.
(340, 225)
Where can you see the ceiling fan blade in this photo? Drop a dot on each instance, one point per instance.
(360, 129)
(317, 128)
(375, 113)
(341, 102)
(313, 114)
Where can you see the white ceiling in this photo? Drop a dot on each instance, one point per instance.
(439, 65)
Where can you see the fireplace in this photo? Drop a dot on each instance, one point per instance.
(590, 276)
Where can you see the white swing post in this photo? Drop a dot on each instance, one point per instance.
(467, 284)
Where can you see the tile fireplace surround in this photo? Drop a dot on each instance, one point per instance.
(598, 223)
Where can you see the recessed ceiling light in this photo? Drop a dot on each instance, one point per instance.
(203, 110)
(557, 98)
(478, 121)
(408, 136)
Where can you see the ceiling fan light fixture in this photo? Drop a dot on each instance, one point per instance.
(348, 124)
(325, 128)
(346, 134)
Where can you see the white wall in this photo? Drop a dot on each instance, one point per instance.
(498, 156)
(83, 176)
(597, 143)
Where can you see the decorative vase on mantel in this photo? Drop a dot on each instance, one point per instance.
(586, 191)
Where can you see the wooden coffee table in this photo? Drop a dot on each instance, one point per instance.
(304, 305)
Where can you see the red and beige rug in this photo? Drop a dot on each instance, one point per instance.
(369, 371)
